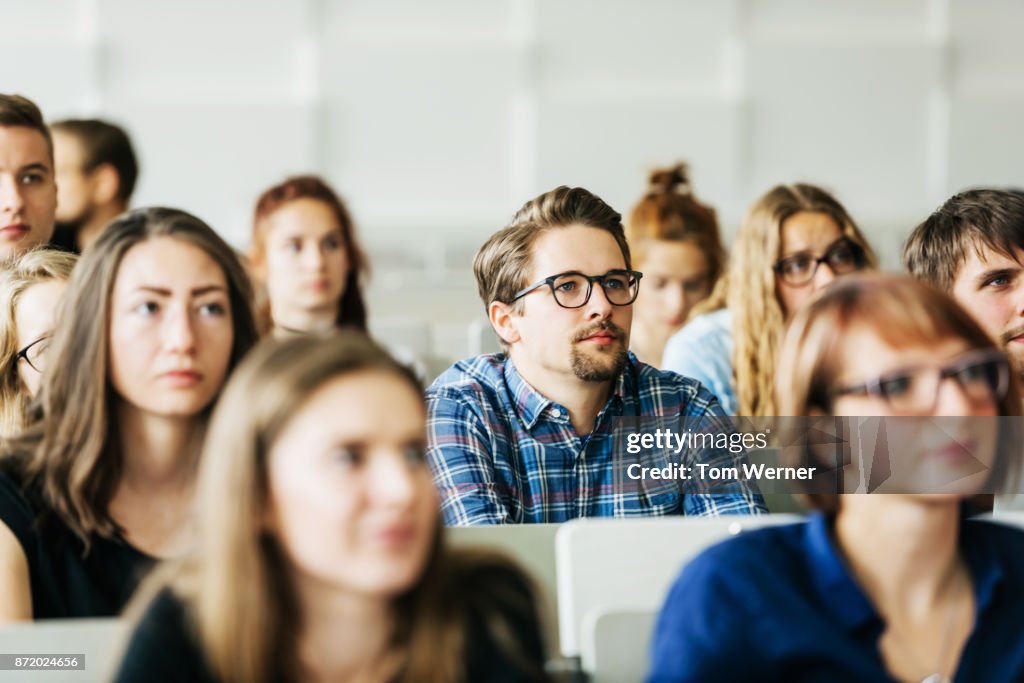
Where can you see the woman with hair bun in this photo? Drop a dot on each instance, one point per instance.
(675, 241)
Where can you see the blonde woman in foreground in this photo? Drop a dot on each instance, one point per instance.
(321, 554)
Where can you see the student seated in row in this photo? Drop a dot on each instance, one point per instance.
(96, 172)
(878, 586)
(306, 259)
(526, 436)
(28, 192)
(100, 484)
(674, 241)
(972, 247)
(793, 242)
(321, 555)
(31, 287)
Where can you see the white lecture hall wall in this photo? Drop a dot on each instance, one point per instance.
(437, 119)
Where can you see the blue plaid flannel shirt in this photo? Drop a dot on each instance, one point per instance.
(502, 453)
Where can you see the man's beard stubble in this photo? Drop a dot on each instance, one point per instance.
(605, 367)
(1016, 360)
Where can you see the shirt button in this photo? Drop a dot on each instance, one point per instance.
(555, 412)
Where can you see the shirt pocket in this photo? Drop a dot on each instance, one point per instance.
(657, 498)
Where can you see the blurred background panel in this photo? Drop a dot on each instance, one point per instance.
(436, 120)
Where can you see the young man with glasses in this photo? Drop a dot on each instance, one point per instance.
(972, 247)
(525, 436)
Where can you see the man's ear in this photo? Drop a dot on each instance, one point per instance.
(106, 184)
(504, 321)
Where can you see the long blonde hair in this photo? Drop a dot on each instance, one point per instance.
(16, 276)
(237, 588)
(748, 287)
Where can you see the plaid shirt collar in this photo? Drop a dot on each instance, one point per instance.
(532, 405)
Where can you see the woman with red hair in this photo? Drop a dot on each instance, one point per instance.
(306, 257)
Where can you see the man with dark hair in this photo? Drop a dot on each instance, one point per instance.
(96, 174)
(28, 192)
(526, 436)
(973, 248)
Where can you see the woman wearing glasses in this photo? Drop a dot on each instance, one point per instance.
(794, 241)
(674, 240)
(327, 562)
(306, 259)
(892, 587)
(100, 483)
(30, 289)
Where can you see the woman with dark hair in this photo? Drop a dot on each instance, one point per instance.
(896, 586)
(100, 483)
(326, 562)
(674, 240)
(306, 258)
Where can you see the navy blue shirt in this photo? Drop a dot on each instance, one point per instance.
(779, 604)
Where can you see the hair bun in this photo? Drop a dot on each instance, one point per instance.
(675, 179)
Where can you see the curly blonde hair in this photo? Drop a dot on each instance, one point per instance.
(748, 289)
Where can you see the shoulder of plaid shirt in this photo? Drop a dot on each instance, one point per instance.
(482, 414)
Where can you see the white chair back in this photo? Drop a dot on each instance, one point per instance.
(533, 547)
(630, 564)
(616, 644)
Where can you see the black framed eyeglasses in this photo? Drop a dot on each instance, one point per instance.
(572, 289)
(982, 375)
(843, 256)
(33, 353)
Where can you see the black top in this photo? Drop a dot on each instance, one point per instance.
(65, 239)
(67, 581)
(164, 647)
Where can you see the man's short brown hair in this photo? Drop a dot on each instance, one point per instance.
(104, 143)
(503, 263)
(939, 246)
(16, 110)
